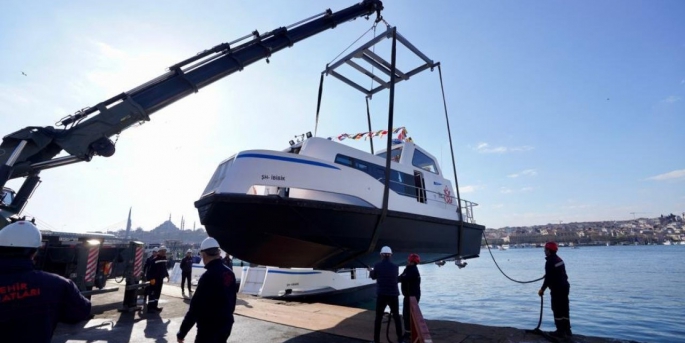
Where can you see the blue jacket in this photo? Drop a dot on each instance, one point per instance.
(213, 304)
(555, 274)
(386, 273)
(33, 302)
(411, 281)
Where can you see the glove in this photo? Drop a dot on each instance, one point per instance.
(541, 292)
(152, 282)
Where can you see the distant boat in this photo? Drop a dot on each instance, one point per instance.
(504, 247)
(667, 242)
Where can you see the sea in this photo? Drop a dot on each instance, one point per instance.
(631, 293)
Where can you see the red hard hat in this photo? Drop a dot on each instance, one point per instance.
(552, 246)
(414, 258)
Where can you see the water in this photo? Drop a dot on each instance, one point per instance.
(623, 292)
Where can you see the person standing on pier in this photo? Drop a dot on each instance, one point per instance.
(156, 274)
(557, 281)
(149, 260)
(213, 305)
(387, 294)
(187, 271)
(33, 301)
(411, 287)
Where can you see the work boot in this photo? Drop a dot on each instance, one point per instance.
(567, 327)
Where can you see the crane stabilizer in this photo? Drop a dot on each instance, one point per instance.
(86, 133)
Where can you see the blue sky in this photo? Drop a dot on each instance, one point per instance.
(560, 111)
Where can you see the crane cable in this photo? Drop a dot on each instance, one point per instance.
(500, 269)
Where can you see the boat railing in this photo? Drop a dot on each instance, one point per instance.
(440, 200)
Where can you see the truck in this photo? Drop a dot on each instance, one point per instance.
(87, 133)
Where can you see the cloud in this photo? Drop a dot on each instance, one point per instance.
(527, 172)
(506, 190)
(676, 174)
(485, 148)
(671, 99)
(469, 188)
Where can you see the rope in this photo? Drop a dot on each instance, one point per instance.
(500, 269)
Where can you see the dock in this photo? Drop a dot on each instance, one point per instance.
(264, 320)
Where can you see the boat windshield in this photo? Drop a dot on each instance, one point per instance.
(6, 197)
(395, 154)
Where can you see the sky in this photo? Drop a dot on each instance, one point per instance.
(559, 111)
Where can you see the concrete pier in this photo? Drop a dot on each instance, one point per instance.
(263, 320)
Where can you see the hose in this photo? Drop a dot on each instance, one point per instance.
(387, 327)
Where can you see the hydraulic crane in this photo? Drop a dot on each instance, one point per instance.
(87, 132)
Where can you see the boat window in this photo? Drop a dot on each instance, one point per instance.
(218, 176)
(401, 183)
(424, 162)
(344, 160)
(395, 154)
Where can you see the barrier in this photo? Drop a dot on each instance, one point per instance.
(419, 328)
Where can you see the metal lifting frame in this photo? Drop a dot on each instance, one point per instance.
(379, 63)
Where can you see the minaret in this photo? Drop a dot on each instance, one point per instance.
(128, 224)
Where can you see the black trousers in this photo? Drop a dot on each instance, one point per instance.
(213, 336)
(406, 315)
(186, 276)
(381, 302)
(560, 308)
(153, 295)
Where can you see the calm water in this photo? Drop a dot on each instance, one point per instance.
(624, 292)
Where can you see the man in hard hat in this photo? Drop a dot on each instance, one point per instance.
(33, 302)
(387, 294)
(187, 271)
(411, 287)
(149, 260)
(557, 281)
(156, 274)
(214, 302)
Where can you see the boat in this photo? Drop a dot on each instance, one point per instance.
(345, 287)
(503, 247)
(320, 204)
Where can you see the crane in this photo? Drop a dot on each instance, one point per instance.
(87, 132)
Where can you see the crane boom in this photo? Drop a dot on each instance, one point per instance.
(86, 133)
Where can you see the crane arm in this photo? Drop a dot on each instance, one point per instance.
(86, 133)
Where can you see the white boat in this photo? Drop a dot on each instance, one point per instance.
(320, 204)
(504, 247)
(347, 286)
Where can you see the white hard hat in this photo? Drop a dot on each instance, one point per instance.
(209, 243)
(162, 248)
(21, 234)
(386, 250)
(155, 249)
(189, 251)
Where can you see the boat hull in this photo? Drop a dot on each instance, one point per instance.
(288, 232)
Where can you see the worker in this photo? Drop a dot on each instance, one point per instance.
(411, 287)
(557, 281)
(387, 293)
(187, 272)
(33, 302)
(213, 305)
(156, 274)
(149, 260)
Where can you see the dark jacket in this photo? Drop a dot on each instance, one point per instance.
(187, 264)
(386, 273)
(411, 281)
(158, 269)
(555, 274)
(33, 302)
(148, 263)
(213, 304)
